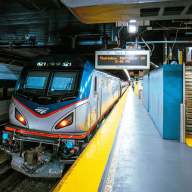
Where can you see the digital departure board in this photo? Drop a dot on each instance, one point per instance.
(122, 59)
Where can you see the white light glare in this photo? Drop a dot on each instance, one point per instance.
(132, 29)
(132, 21)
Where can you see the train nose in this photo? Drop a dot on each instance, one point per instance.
(41, 118)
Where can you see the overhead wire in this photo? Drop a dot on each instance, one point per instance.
(147, 45)
(118, 37)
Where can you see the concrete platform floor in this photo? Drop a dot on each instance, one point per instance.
(142, 161)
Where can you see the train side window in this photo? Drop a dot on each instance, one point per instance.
(95, 84)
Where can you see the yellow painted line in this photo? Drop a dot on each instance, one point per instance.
(86, 173)
(188, 140)
(136, 90)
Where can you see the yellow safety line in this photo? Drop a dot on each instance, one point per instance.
(86, 173)
(188, 140)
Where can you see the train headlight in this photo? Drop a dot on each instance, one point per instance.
(65, 122)
(20, 117)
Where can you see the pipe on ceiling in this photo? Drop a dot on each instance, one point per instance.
(159, 42)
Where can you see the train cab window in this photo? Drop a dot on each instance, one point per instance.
(63, 82)
(36, 81)
(47, 83)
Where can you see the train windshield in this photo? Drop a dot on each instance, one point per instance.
(36, 81)
(37, 84)
(62, 82)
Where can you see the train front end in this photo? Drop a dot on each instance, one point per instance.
(43, 134)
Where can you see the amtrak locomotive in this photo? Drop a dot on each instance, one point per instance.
(54, 111)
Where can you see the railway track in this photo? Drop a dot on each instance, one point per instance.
(9, 180)
(13, 181)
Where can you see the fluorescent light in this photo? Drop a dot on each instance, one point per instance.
(132, 28)
(132, 21)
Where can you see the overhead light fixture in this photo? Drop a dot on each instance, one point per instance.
(132, 28)
(132, 21)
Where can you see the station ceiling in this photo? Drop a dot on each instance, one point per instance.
(30, 28)
(96, 11)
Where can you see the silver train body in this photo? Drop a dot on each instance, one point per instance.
(47, 131)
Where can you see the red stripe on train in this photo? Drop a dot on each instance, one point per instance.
(43, 134)
(48, 114)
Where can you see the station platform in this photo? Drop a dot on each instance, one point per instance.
(128, 155)
(143, 161)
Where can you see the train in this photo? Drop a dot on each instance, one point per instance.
(8, 77)
(54, 112)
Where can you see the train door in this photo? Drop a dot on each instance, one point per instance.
(99, 97)
(97, 92)
(94, 100)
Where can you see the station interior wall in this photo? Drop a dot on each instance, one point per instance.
(162, 95)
